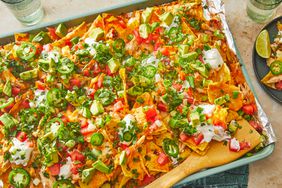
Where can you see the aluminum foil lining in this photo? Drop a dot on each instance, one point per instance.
(216, 7)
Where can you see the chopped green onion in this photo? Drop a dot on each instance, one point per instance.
(235, 94)
(191, 81)
(8, 120)
(122, 158)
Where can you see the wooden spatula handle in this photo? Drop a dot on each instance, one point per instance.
(218, 154)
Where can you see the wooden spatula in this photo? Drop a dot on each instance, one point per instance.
(218, 154)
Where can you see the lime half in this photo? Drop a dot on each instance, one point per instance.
(263, 44)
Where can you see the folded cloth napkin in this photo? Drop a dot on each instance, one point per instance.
(234, 178)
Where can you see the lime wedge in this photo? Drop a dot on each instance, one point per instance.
(263, 44)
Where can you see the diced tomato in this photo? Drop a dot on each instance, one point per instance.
(68, 43)
(157, 46)
(75, 168)
(147, 180)
(220, 124)
(278, 85)
(162, 107)
(8, 108)
(40, 85)
(25, 104)
(180, 108)
(177, 86)
(75, 82)
(190, 92)
(84, 123)
(165, 51)
(249, 109)
(122, 23)
(62, 147)
(87, 130)
(234, 145)
(256, 126)
(65, 119)
(54, 169)
(77, 156)
(15, 91)
(198, 139)
(151, 115)
(52, 32)
(201, 59)
(137, 36)
(86, 72)
(96, 68)
(118, 106)
(91, 95)
(190, 100)
(183, 137)
(163, 159)
(39, 48)
(21, 136)
(108, 71)
(125, 148)
(244, 145)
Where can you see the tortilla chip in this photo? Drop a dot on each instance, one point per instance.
(219, 89)
(160, 137)
(222, 75)
(270, 80)
(220, 114)
(98, 22)
(151, 163)
(97, 180)
(134, 164)
(77, 32)
(218, 154)
(201, 149)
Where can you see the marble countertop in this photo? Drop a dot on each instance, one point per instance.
(264, 173)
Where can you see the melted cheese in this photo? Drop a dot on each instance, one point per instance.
(20, 152)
